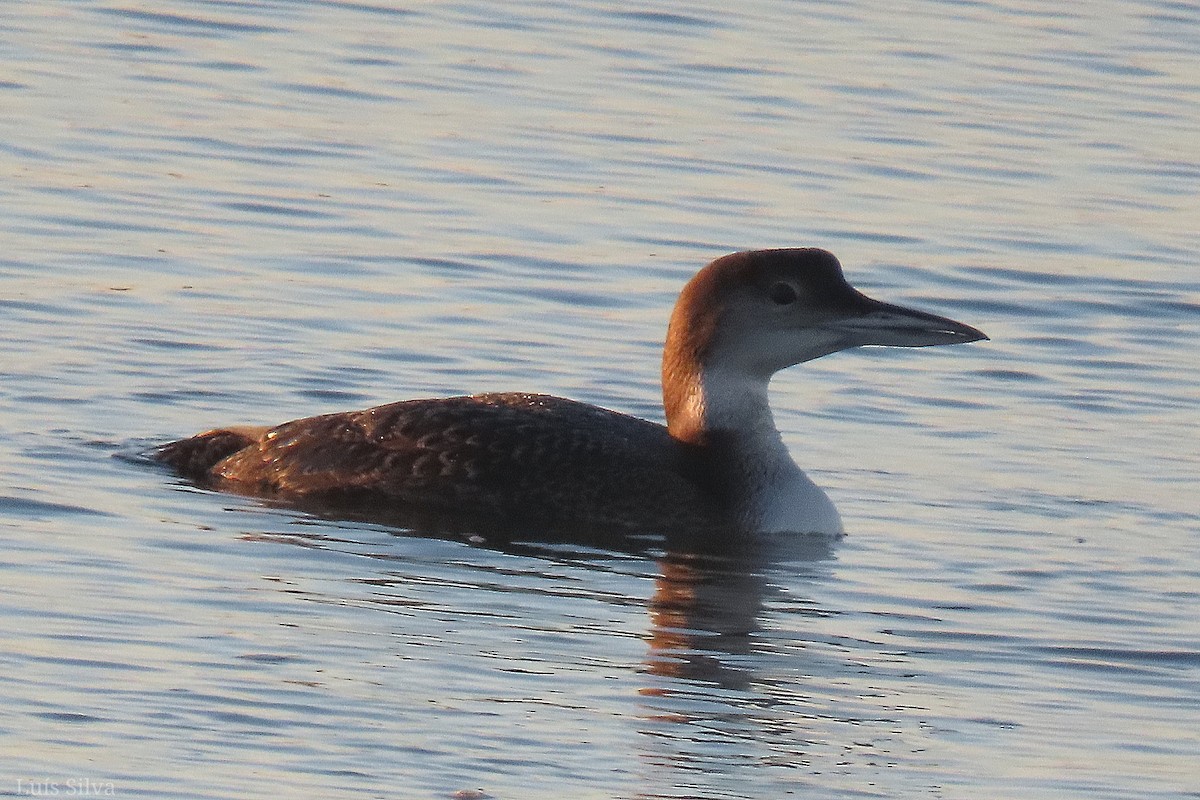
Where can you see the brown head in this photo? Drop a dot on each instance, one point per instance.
(753, 313)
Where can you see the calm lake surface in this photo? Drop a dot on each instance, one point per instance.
(245, 212)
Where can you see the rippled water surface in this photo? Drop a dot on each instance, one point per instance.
(219, 212)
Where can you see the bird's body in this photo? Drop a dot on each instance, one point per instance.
(522, 459)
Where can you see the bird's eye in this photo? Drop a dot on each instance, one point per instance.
(783, 293)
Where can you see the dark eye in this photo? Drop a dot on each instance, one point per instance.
(783, 293)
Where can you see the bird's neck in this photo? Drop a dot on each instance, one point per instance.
(726, 416)
(700, 402)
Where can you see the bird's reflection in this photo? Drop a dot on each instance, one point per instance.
(705, 612)
(708, 703)
(706, 706)
(704, 615)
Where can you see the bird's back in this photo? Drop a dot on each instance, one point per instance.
(519, 457)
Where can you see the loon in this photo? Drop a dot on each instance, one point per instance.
(538, 460)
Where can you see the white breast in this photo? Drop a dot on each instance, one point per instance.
(790, 502)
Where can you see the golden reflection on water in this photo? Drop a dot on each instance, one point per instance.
(701, 613)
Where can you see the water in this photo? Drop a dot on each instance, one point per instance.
(246, 212)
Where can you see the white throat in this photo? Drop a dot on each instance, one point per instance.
(776, 495)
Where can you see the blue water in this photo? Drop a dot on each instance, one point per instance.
(219, 213)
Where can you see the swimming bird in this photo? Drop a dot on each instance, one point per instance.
(538, 460)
